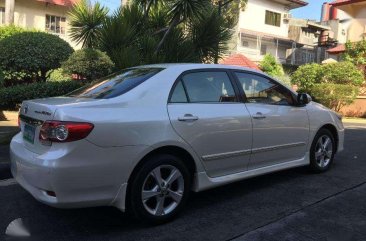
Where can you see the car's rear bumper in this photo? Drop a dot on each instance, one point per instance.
(73, 177)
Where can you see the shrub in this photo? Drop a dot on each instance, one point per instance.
(334, 96)
(333, 85)
(89, 64)
(12, 97)
(59, 75)
(33, 53)
(306, 76)
(7, 31)
(270, 66)
(284, 79)
(338, 73)
(1, 79)
(342, 73)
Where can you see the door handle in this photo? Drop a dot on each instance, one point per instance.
(259, 115)
(188, 117)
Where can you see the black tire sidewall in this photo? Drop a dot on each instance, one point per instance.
(135, 200)
(313, 164)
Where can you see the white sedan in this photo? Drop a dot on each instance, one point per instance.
(143, 138)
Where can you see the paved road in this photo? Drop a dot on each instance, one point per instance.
(288, 205)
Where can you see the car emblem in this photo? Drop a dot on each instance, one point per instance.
(25, 110)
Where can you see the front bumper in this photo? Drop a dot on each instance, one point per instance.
(80, 174)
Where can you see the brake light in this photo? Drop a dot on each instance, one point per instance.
(64, 131)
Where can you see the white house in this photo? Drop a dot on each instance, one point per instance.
(44, 15)
(263, 29)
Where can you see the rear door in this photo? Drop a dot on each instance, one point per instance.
(280, 128)
(205, 111)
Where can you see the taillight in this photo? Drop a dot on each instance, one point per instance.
(63, 131)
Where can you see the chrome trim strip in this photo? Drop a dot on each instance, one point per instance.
(225, 155)
(246, 152)
(272, 148)
(30, 120)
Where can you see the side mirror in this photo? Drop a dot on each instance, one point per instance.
(303, 99)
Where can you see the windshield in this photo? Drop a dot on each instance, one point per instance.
(116, 84)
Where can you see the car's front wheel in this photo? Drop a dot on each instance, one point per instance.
(159, 189)
(322, 151)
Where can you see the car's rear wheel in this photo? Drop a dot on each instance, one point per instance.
(322, 151)
(159, 190)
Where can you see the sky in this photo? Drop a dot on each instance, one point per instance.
(311, 11)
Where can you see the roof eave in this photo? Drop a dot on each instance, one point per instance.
(298, 3)
(346, 2)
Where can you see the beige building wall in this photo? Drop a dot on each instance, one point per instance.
(31, 14)
(356, 26)
(253, 18)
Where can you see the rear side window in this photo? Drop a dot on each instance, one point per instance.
(116, 84)
(179, 94)
(204, 87)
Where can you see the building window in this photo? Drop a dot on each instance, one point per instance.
(55, 24)
(2, 16)
(273, 18)
(244, 43)
(263, 49)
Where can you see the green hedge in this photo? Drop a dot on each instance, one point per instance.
(334, 96)
(12, 97)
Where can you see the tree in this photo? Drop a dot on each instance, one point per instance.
(131, 37)
(356, 52)
(181, 10)
(270, 66)
(209, 36)
(230, 9)
(33, 53)
(86, 21)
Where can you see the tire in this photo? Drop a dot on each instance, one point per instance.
(157, 200)
(322, 151)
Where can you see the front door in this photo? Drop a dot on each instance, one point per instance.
(280, 129)
(205, 112)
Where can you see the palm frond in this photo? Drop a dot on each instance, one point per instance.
(86, 21)
(209, 35)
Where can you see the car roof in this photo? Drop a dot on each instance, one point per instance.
(192, 66)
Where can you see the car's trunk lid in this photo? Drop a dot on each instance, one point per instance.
(34, 113)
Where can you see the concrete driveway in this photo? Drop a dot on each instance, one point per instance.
(288, 205)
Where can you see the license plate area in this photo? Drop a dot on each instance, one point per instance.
(29, 133)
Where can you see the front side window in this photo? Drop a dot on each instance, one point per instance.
(204, 87)
(55, 24)
(273, 18)
(116, 84)
(263, 91)
(2, 16)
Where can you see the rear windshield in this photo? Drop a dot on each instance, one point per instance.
(116, 84)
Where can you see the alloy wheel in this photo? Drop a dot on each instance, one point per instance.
(162, 190)
(323, 151)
